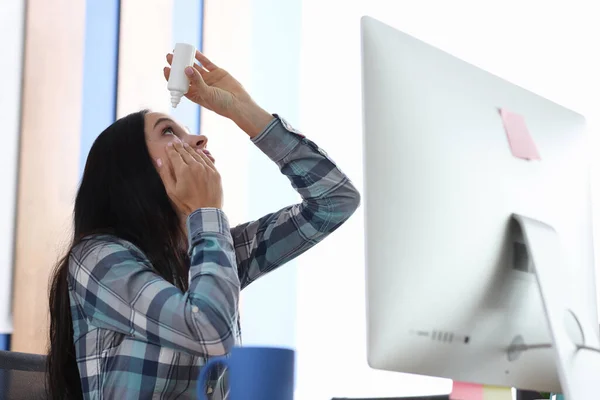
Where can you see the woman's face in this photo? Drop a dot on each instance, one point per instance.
(161, 129)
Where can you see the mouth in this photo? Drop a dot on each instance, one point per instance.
(210, 156)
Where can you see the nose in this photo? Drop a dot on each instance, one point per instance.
(197, 141)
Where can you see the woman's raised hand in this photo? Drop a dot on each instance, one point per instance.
(192, 182)
(212, 87)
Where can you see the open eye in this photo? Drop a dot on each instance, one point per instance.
(168, 131)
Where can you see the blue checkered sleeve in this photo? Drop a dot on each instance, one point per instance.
(328, 200)
(116, 288)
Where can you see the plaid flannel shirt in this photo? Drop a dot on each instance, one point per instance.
(139, 337)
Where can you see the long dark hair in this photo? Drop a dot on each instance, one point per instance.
(120, 194)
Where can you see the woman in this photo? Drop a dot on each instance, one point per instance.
(149, 288)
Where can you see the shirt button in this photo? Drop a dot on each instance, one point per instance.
(195, 309)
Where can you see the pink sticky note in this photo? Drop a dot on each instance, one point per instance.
(466, 391)
(519, 139)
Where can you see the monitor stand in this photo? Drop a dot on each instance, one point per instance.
(576, 352)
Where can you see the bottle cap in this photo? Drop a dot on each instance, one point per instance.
(175, 98)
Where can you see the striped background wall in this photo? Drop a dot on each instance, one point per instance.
(12, 18)
(48, 157)
(85, 64)
(99, 104)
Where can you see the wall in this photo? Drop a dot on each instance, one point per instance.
(12, 19)
(239, 35)
(91, 73)
(543, 46)
(270, 303)
(226, 42)
(98, 107)
(48, 159)
(144, 40)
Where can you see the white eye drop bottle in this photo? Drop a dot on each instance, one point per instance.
(183, 56)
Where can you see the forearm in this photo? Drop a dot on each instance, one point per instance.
(318, 180)
(136, 301)
(250, 118)
(329, 199)
(214, 282)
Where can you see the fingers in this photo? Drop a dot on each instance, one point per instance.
(195, 78)
(205, 159)
(193, 153)
(185, 155)
(167, 71)
(202, 59)
(205, 61)
(198, 67)
(199, 156)
(194, 74)
(176, 160)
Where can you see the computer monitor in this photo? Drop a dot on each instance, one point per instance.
(461, 234)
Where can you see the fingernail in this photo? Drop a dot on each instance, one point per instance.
(198, 150)
(186, 145)
(170, 144)
(189, 71)
(159, 162)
